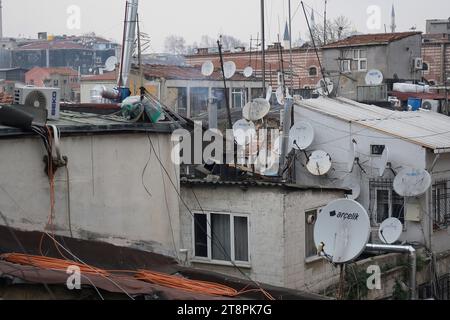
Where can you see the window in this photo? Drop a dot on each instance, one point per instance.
(177, 99)
(441, 204)
(55, 83)
(313, 71)
(219, 237)
(199, 101)
(310, 220)
(257, 93)
(385, 202)
(345, 66)
(360, 60)
(239, 98)
(219, 95)
(376, 149)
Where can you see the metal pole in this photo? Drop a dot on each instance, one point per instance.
(325, 24)
(263, 48)
(412, 257)
(290, 47)
(227, 101)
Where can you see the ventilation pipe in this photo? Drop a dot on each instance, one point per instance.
(401, 249)
(129, 40)
(289, 102)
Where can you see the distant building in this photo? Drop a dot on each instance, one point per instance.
(64, 78)
(394, 54)
(436, 58)
(13, 74)
(89, 83)
(187, 91)
(435, 26)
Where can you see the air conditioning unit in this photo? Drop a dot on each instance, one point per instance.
(45, 98)
(432, 105)
(418, 64)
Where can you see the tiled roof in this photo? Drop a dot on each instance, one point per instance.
(370, 39)
(108, 76)
(58, 44)
(62, 71)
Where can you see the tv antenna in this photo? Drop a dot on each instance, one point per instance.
(244, 132)
(256, 109)
(319, 163)
(412, 182)
(301, 136)
(208, 68)
(390, 230)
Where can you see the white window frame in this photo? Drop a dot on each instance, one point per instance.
(359, 59)
(209, 260)
(313, 258)
(375, 206)
(239, 92)
(348, 69)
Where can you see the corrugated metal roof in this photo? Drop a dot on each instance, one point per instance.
(370, 39)
(424, 128)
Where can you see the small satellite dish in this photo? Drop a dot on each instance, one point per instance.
(301, 136)
(207, 68)
(411, 182)
(280, 95)
(111, 63)
(390, 230)
(229, 69)
(374, 77)
(256, 109)
(353, 155)
(352, 183)
(248, 72)
(323, 85)
(269, 93)
(244, 132)
(342, 230)
(383, 161)
(319, 163)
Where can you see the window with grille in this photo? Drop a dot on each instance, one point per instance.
(385, 202)
(441, 204)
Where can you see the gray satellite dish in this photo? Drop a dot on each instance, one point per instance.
(301, 136)
(256, 109)
(244, 132)
(319, 163)
(207, 68)
(269, 93)
(411, 182)
(382, 165)
(111, 63)
(390, 230)
(342, 231)
(374, 77)
(229, 69)
(323, 85)
(248, 72)
(280, 95)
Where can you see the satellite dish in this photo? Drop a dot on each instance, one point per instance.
(244, 132)
(207, 68)
(248, 72)
(342, 230)
(301, 136)
(256, 109)
(352, 183)
(390, 230)
(269, 93)
(353, 155)
(383, 161)
(319, 163)
(323, 85)
(110, 64)
(280, 95)
(374, 77)
(411, 182)
(229, 69)
(268, 161)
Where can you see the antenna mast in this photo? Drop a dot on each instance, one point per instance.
(325, 24)
(290, 47)
(263, 48)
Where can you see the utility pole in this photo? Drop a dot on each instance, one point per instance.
(325, 24)
(263, 47)
(290, 47)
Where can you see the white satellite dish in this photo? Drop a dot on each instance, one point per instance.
(280, 95)
(356, 190)
(229, 69)
(342, 230)
(111, 63)
(301, 136)
(374, 77)
(353, 155)
(248, 72)
(244, 132)
(207, 68)
(390, 230)
(269, 93)
(383, 161)
(268, 161)
(256, 109)
(412, 182)
(323, 85)
(319, 163)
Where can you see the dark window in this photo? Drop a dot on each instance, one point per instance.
(241, 238)
(385, 202)
(177, 99)
(377, 149)
(220, 232)
(312, 71)
(441, 204)
(219, 95)
(199, 101)
(200, 234)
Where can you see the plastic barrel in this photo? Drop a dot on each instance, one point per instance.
(414, 103)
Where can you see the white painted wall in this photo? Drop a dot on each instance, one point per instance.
(334, 136)
(108, 200)
(87, 86)
(277, 230)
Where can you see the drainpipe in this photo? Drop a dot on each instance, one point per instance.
(412, 257)
(286, 127)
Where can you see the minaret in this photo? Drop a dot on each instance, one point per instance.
(313, 20)
(393, 26)
(286, 37)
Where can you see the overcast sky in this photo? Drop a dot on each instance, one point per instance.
(193, 18)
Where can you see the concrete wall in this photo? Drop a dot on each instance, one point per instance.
(334, 136)
(108, 201)
(87, 86)
(400, 55)
(277, 230)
